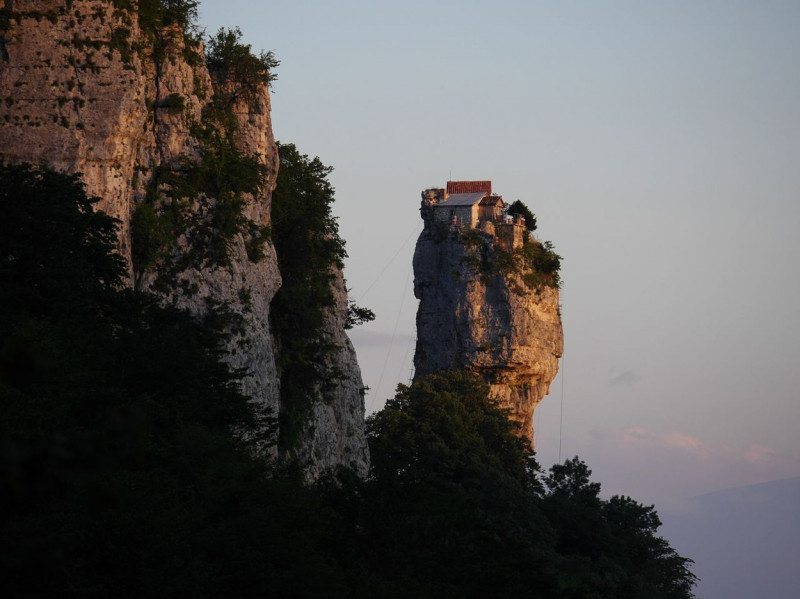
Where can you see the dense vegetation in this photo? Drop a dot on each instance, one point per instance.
(536, 264)
(310, 251)
(116, 455)
(120, 475)
(234, 65)
(517, 208)
(459, 507)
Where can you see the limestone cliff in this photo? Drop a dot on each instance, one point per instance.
(336, 434)
(484, 307)
(97, 87)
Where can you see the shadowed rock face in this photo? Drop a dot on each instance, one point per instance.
(336, 434)
(84, 90)
(488, 323)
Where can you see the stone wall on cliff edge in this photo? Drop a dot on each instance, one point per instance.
(489, 323)
(82, 89)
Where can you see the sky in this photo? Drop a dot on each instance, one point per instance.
(658, 144)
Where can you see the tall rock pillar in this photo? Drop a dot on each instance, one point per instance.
(486, 309)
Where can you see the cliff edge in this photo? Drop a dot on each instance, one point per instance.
(176, 140)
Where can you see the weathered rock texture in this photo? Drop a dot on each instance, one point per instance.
(337, 435)
(489, 323)
(84, 89)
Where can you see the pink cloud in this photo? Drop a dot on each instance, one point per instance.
(666, 468)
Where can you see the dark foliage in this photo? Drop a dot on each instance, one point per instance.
(156, 14)
(537, 263)
(457, 507)
(236, 68)
(451, 506)
(517, 208)
(307, 241)
(609, 548)
(543, 263)
(54, 249)
(204, 199)
(357, 315)
(120, 475)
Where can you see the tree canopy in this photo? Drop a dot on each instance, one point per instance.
(236, 66)
(517, 208)
(310, 251)
(461, 508)
(119, 471)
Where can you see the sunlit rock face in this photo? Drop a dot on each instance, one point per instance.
(486, 322)
(84, 103)
(84, 90)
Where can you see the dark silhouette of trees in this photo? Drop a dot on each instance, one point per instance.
(517, 208)
(121, 475)
(459, 507)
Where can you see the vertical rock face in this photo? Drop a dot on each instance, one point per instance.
(475, 314)
(336, 434)
(84, 88)
(85, 91)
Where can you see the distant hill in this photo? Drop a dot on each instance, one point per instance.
(745, 541)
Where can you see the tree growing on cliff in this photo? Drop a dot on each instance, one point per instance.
(310, 250)
(156, 14)
(235, 66)
(517, 208)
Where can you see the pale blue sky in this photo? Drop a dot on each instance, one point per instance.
(659, 145)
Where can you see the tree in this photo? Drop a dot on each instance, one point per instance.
(309, 248)
(451, 501)
(517, 208)
(572, 480)
(56, 254)
(233, 63)
(357, 315)
(156, 14)
(119, 470)
(610, 547)
(456, 505)
(445, 428)
(655, 569)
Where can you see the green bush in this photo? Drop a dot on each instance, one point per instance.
(235, 67)
(155, 14)
(517, 208)
(545, 263)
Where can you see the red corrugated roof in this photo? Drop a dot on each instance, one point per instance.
(469, 187)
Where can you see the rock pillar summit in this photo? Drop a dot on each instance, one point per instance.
(488, 294)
